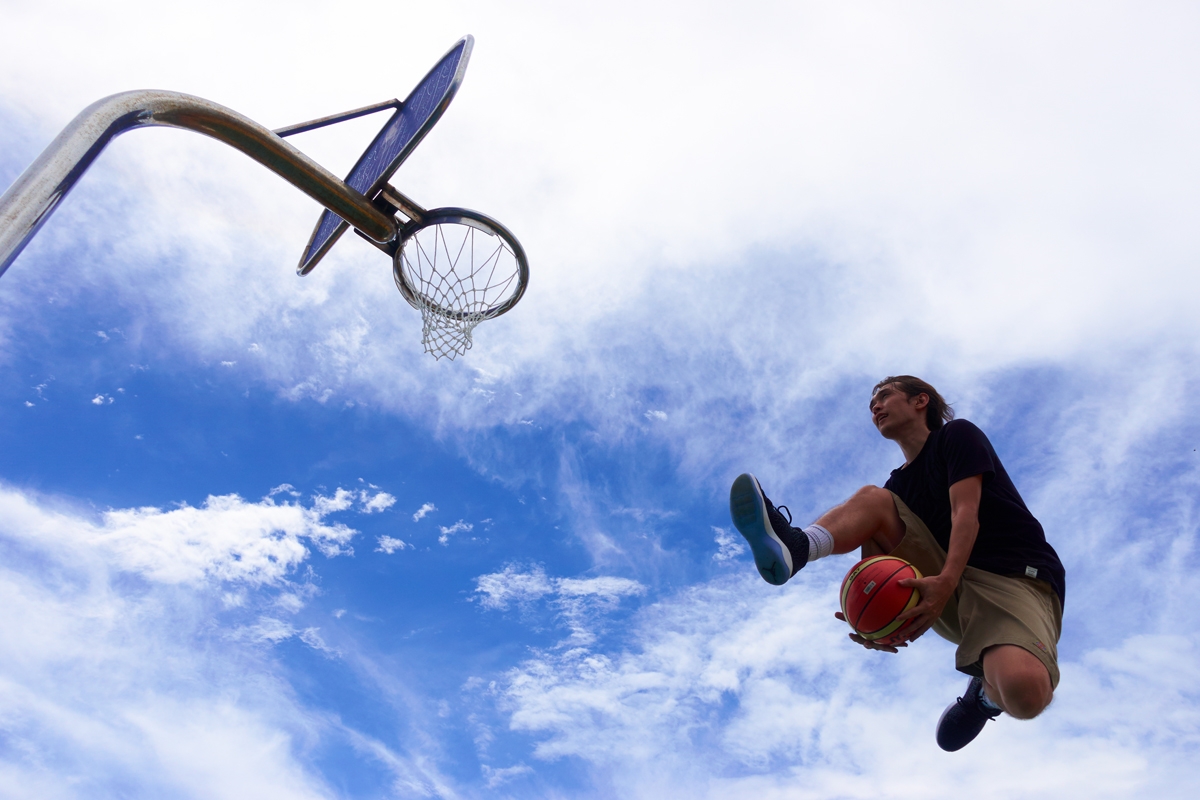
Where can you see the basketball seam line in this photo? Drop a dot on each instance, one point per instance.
(871, 600)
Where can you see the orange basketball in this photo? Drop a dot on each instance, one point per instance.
(872, 598)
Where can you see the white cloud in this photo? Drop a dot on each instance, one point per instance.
(498, 777)
(389, 545)
(737, 689)
(579, 603)
(226, 539)
(101, 399)
(512, 585)
(312, 638)
(606, 588)
(269, 629)
(411, 776)
(656, 416)
(423, 511)
(118, 688)
(152, 689)
(849, 201)
(380, 501)
(341, 500)
(447, 532)
(729, 545)
(293, 601)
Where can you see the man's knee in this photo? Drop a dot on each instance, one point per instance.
(882, 504)
(878, 500)
(1025, 697)
(1021, 679)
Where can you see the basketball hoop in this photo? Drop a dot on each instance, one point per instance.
(458, 268)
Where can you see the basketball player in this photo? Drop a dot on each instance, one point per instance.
(992, 585)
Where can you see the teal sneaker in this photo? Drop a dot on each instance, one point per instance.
(780, 550)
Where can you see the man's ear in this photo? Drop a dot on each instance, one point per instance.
(922, 401)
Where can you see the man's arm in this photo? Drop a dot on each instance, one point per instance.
(936, 590)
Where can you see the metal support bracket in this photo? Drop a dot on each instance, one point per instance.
(333, 119)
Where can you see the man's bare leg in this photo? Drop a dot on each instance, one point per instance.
(869, 520)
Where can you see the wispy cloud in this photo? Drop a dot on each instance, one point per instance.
(501, 776)
(498, 590)
(447, 532)
(126, 685)
(389, 545)
(729, 544)
(380, 501)
(340, 500)
(423, 511)
(724, 684)
(580, 603)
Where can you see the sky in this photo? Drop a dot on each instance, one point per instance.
(256, 542)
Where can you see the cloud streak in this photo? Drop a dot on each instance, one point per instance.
(128, 686)
(733, 689)
(579, 603)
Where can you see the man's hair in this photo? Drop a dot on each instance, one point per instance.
(937, 413)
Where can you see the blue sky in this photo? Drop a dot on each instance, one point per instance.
(257, 543)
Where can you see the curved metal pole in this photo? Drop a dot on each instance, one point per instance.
(30, 201)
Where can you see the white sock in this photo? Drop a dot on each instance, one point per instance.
(820, 542)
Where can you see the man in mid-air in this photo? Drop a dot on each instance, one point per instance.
(993, 585)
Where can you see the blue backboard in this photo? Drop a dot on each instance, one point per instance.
(419, 112)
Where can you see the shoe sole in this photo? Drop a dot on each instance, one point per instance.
(749, 512)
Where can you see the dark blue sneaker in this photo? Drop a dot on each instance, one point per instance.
(779, 549)
(963, 719)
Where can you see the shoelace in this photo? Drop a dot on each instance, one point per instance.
(785, 509)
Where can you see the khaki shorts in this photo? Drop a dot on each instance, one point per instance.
(987, 609)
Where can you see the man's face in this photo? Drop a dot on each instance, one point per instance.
(892, 412)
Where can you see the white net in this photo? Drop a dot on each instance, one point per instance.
(460, 275)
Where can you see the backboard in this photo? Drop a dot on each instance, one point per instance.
(419, 112)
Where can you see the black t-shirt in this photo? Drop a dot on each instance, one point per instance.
(1010, 541)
